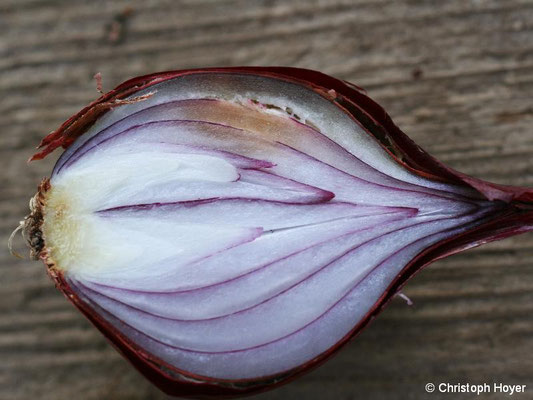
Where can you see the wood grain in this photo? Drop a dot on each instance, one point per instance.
(457, 76)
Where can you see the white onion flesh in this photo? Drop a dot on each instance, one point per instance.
(231, 240)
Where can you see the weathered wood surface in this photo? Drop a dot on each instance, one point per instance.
(457, 76)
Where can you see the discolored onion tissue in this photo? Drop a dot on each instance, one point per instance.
(228, 229)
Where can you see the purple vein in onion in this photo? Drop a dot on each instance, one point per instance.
(231, 229)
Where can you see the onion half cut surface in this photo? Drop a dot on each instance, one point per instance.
(228, 229)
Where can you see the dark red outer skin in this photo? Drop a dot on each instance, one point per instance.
(516, 218)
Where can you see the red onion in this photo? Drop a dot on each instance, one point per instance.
(229, 229)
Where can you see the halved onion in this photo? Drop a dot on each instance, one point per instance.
(229, 229)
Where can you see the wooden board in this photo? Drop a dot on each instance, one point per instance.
(456, 75)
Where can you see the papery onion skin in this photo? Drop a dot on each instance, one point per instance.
(516, 218)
